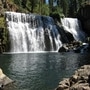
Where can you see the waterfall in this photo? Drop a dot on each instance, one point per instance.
(30, 32)
(73, 26)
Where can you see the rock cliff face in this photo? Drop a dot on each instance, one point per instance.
(84, 16)
(79, 81)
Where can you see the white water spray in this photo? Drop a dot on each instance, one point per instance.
(30, 32)
(73, 26)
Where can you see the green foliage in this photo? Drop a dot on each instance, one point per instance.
(17, 2)
(37, 9)
(28, 5)
(62, 7)
(3, 35)
(45, 10)
(58, 10)
(2, 22)
(51, 5)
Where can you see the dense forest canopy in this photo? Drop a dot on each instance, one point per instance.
(45, 7)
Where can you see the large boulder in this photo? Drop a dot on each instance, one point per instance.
(4, 80)
(79, 81)
(63, 49)
(84, 48)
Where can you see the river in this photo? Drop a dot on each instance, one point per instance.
(40, 71)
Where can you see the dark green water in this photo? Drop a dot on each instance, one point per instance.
(41, 71)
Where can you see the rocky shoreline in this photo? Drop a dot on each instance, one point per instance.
(4, 80)
(76, 46)
(79, 81)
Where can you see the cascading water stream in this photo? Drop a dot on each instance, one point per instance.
(30, 32)
(73, 26)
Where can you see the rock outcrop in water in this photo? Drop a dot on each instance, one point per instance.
(79, 81)
(70, 46)
(4, 80)
(75, 46)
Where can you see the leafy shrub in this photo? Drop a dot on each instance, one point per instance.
(2, 22)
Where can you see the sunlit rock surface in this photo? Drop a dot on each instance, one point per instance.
(4, 80)
(79, 81)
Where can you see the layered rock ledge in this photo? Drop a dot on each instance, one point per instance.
(79, 81)
(4, 80)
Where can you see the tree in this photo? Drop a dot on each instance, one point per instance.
(45, 10)
(72, 7)
(32, 5)
(66, 7)
(63, 4)
(35, 3)
(24, 2)
(51, 5)
(18, 2)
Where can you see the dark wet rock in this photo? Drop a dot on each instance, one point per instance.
(75, 46)
(69, 46)
(79, 81)
(63, 49)
(83, 48)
